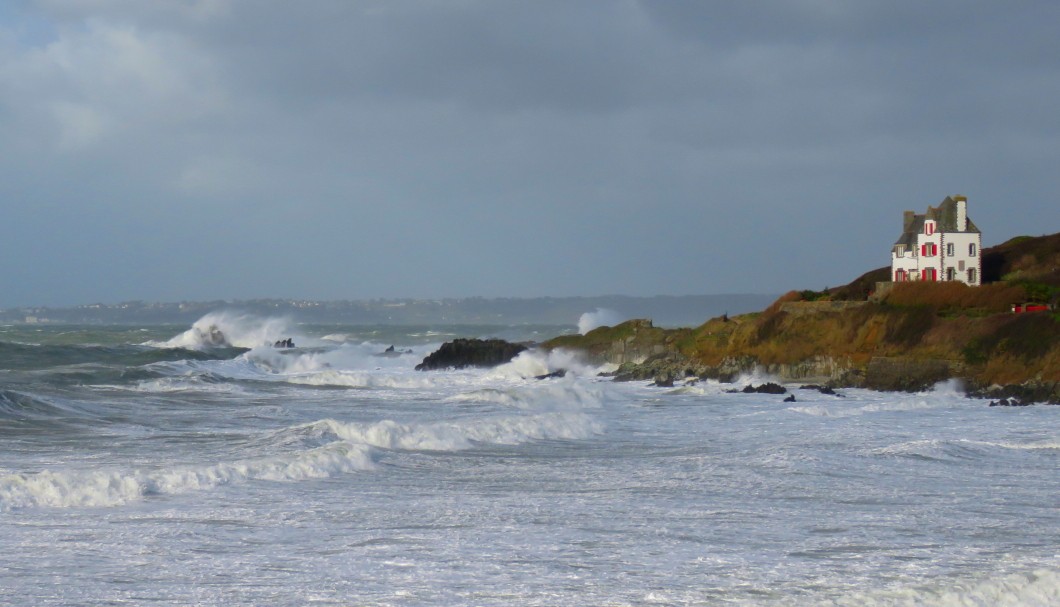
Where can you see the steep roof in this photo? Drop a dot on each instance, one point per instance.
(908, 237)
(945, 215)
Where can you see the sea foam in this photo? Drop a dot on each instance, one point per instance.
(97, 488)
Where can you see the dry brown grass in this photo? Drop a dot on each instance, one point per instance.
(954, 296)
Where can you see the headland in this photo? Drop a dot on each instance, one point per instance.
(872, 334)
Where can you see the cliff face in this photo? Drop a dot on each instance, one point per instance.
(914, 336)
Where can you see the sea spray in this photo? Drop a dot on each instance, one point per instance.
(228, 328)
(600, 317)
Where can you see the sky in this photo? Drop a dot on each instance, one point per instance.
(178, 150)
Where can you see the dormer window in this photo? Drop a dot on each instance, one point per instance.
(929, 227)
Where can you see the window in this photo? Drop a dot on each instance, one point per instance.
(929, 250)
(899, 276)
(971, 274)
(928, 274)
(949, 249)
(971, 249)
(951, 274)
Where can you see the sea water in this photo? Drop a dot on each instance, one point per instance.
(160, 466)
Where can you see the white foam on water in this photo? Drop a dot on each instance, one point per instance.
(848, 407)
(365, 379)
(1039, 587)
(555, 396)
(460, 435)
(98, 488)
(227, 328)
(535, 363)
(172, 385)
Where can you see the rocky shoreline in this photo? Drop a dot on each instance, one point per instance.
(666, 366)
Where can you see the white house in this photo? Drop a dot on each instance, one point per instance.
(942, 244)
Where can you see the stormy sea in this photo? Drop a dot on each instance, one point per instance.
(203, 465)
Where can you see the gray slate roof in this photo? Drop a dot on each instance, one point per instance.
(945, 215)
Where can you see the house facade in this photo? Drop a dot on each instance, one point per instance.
(941, 245)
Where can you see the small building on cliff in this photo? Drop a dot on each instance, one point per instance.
(941, 245)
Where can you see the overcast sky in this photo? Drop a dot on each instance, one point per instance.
(170, 150)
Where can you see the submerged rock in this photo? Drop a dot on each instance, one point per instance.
(554, 374)
(822, 389)
(462, 353)
(392, 352)
(767, 388)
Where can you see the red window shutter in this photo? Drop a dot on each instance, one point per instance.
(923, 250)
(934, 250)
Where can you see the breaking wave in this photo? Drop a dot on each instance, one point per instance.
(230, 329)
(1037, 588)
(334, 448)
(458, 436)
(600, 317)
(113, 488)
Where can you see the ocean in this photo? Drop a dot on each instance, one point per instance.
(182, 466)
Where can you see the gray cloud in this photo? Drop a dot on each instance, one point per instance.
(334, 149)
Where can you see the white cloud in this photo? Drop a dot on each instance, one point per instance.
(79, 126)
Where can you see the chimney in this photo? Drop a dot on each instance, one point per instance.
(907, 220)
(962, 213)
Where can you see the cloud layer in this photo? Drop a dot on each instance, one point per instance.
(235, 148)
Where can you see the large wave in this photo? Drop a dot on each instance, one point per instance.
(318, 449)
(97, 488)
(226, 328)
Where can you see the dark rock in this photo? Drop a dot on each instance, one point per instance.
(822, 389)
(393, 352)
(1029, 393)
(664, 380)
(665, 365)
(1011, 402)
(554, 374)
(768, 388)
(461, 353)
(790, 398)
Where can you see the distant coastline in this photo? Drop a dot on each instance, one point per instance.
(671, 311)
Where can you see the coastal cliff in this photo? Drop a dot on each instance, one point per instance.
(909, 338)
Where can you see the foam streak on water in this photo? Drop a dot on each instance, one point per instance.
(335, 474)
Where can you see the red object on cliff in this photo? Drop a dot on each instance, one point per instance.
(1021, 308)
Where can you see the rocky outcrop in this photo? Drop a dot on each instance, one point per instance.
(767, 388)
(462, 353)
(663, 369)
(906, 374)
(1033, 391)
(828, 370)
(632, 342)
